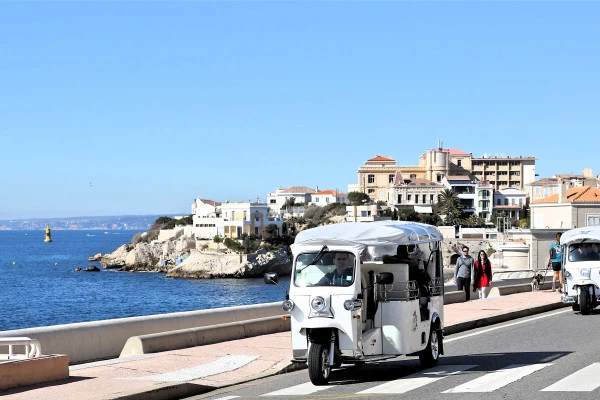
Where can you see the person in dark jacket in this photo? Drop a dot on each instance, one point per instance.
(482, 274)
(463, 272)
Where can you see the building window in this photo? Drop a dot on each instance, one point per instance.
(460, 163)
(326, 199)
(537, 191)
(430, 199)
(399, 199)
(505, 202)
(424, 198)
(273, 201)
(371, 178)
(413, 176)
(317, 200)
(593, 220)
(416, 199)
(391, 178)
(370, 191)
(408, 198)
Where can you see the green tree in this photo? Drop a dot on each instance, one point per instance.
(451, 206)
(358, 198)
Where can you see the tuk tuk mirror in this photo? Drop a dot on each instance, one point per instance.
(385, 278)
(271, 278)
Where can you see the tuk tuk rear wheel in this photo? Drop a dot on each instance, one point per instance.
(583, 302)
(319, 369)
(430, 355)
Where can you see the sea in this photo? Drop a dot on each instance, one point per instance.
(40, 287)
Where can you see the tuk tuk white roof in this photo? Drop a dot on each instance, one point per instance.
(362, 234)
(580, 234)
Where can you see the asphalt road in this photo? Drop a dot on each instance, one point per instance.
(549, 356)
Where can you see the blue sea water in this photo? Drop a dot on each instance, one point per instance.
(39, 285)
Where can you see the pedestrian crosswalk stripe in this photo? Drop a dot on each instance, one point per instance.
(584, 380)
(303, 389)
(228, 398)
(497, 379)
(417, 380)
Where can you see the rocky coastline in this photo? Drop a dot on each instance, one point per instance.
(182, 257)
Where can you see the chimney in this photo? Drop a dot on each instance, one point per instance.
(562, 191)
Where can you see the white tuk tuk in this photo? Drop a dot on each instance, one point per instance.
(356, 295)
(581, 268)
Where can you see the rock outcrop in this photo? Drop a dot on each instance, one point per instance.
(214, 265)
(179, 258)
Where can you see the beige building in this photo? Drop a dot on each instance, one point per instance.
(377, 174)
(545, 187)
(419, 194)
(569, 208)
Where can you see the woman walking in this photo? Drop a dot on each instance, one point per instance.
(482, 274)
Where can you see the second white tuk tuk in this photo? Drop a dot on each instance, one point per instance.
(363, 292)
(581, 268)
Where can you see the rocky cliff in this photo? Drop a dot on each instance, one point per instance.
(180, 259)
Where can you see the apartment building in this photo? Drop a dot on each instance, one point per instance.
(504, 172)
(510, 203)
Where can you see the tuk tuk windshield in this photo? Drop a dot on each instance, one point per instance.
(585, 251)
(324, 269)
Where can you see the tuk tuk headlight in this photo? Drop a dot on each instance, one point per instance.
(352, 305)
(287, 305)
(317, 303)
(585, 272)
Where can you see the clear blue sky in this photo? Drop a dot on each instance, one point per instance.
(129, 107)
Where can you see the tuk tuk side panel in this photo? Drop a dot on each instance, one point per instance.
(401, 327)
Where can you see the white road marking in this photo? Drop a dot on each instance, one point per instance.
(303, 389)
(417, 380)
(223, 364)
(504, 326)
(584, 380)
(497, 379)
(227, 398)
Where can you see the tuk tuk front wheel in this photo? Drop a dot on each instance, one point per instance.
(575, 306)
(584, 305)
(430, 355)
(319, 369)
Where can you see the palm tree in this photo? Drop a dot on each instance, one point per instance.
(450, 206)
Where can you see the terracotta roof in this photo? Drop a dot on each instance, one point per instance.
(544, 181)
(568, 176)
(297, 189)
(332, 192)
(581, 194)
(379, 158)
(422, 182)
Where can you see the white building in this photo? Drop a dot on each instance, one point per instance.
(509, 203)
(325, 197)
(206, 219)
(300, 194)
(230, 219)
(464, 187)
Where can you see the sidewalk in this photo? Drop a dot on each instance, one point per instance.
(191, 371)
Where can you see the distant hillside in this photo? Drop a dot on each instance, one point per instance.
(117, 222)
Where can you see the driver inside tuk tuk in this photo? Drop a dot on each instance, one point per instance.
(585, 252)
(342, 275)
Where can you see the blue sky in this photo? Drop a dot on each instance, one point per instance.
(129, 107)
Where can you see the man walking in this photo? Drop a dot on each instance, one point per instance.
(463, 272)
